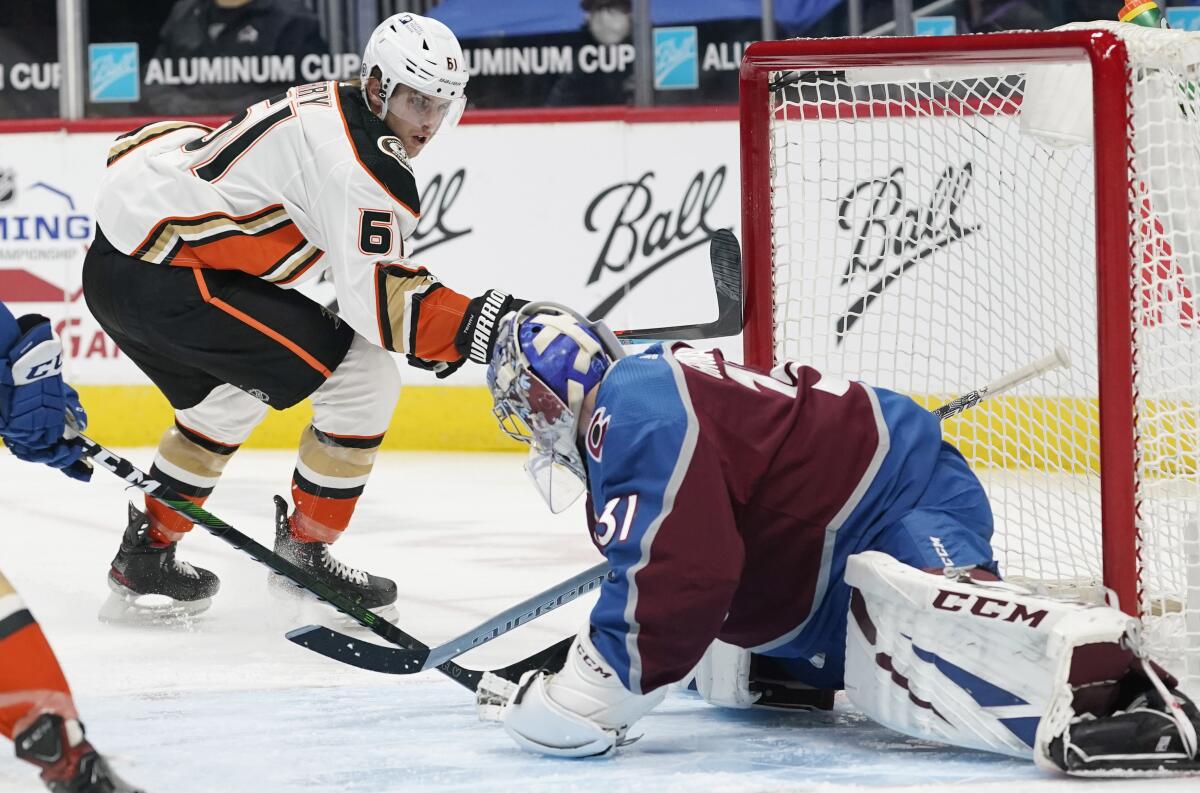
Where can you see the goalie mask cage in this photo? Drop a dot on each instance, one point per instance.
(927, 214)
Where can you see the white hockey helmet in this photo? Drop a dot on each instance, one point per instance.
(423, 54)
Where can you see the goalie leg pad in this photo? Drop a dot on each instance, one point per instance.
(974, 664)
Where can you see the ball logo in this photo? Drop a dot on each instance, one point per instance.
(597, 429)
(392, 147)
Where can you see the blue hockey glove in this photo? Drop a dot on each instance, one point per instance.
(34, 401)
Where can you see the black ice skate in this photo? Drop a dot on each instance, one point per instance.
(149, 583)
(69, 763)
(370, 591)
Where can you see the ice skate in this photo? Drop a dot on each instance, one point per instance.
(370, 591)
(69, 763)
(149, 584)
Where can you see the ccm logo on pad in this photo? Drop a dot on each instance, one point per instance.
(987, 607)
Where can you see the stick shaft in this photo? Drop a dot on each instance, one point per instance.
(520, 614)
(1027, 372)
(123, 468)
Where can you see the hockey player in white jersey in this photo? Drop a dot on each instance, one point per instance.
(790, 531)
(202, 235)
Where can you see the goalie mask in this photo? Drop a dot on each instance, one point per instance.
(547, 358)
(422, 55)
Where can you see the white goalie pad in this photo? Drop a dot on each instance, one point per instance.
(978, 664)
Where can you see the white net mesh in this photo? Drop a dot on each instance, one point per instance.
(934, 227)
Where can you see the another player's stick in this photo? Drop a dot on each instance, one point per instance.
(725, 257)
(116, 464)
(1025, 373)
(399, 661)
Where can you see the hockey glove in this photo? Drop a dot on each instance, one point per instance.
(441, 369)
(1154, 735)
(476, 337)
(34, 401)
(582, 710)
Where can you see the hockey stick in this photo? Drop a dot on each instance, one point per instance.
(399, 661)
(373, 657)
(1052, 361)
(120, 466)
(725, 257)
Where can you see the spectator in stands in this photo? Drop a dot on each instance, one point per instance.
(986, 16)
(609, 23)
(213, 28)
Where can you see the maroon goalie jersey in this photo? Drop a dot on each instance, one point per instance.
(727, 500)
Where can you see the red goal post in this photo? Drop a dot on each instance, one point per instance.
(909, 203)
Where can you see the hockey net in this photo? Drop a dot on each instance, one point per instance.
(929, 214)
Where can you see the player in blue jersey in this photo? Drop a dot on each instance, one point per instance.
(784, 525)
(36, 709)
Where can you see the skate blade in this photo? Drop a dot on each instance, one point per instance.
(124, 606)
(308, 608)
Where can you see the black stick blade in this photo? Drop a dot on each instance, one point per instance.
(725, 256)
(725, 259)
(355, 652)
(551, 658)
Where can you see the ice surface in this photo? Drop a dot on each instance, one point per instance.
(227, 705)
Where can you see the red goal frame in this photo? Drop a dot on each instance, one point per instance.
(1114, 251)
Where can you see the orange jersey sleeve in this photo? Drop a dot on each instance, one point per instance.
(416, 314)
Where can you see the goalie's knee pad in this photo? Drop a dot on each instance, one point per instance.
(984, 665)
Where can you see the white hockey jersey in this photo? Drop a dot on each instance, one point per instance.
(290, 187)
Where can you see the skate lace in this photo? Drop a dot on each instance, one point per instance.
(341, 569)
(185, 568)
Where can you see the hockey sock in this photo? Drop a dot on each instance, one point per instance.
(190, 464)
(331, 473)
(31, 681)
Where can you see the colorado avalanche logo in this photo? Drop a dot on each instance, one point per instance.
(392, 147)
(597, 429)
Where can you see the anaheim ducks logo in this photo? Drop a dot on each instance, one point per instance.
(392, 147)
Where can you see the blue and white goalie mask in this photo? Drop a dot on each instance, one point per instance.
(547, 358)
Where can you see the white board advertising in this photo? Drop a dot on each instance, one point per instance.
(611, 218)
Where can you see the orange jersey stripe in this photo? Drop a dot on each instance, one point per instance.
(299, 351)
(162, 225)
(253, 255)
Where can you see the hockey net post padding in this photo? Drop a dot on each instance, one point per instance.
(927, 213)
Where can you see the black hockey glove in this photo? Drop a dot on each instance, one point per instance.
(476, 337)
(441, 369)
(1147, 737)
